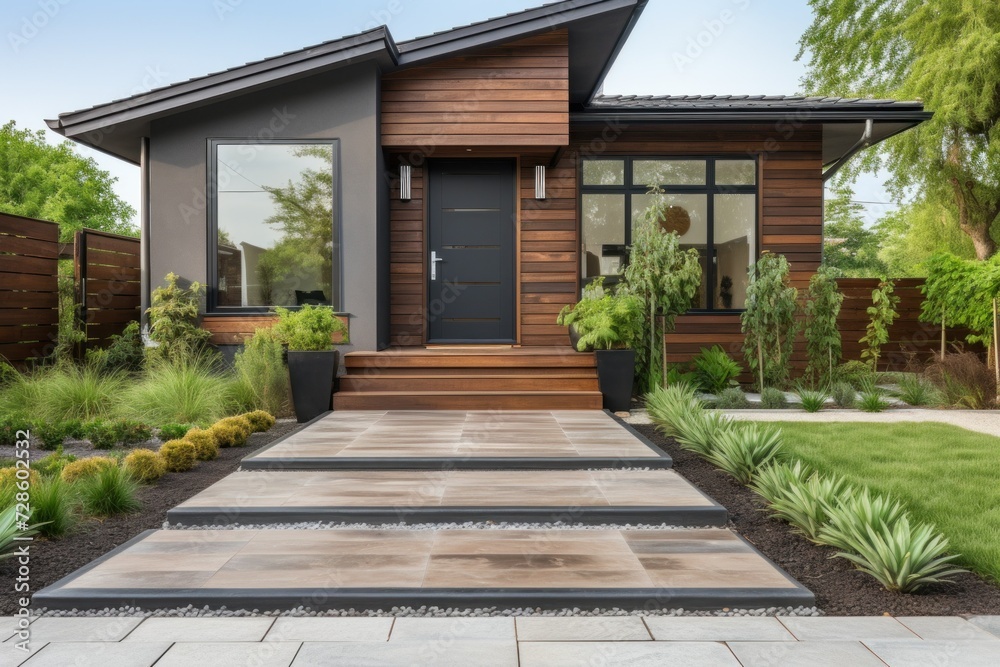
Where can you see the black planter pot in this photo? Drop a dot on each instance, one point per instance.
(312, 375)
(574, 336)
(615, 376)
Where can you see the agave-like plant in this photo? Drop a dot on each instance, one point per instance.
(698, 430)
(10, 531)
(668, 406)
(771, 481)
(901, 557)
(743, 451)
(806, 505)
(857, 512)
(812, 401)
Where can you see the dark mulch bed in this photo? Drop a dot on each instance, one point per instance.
(53, 559)
(839, 588)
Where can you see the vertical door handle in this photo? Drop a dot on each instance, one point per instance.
(434, 263)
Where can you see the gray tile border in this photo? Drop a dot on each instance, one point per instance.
(230, 654)
(201, 629)
(845, 628)
(82, 629)
(633, 654)
(105, 654)
(945, 627)
(804, 654)
(358, 629)
(452, 629)
(596, 628)
(936, 653)
(693, 628)
(422, 653)
(10, 656)
(990, 624)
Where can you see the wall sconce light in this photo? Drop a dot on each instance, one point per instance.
(540, 181)
(404, 181)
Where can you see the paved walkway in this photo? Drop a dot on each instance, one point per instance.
(981, 421)
(501, 642)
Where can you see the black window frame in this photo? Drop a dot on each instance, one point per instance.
(212, 214)
(710, 188)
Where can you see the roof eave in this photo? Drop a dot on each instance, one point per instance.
(798, 114)
(619, 45)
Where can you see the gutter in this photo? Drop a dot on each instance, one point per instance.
(864, 142)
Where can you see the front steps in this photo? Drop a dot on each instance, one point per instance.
(469, 379)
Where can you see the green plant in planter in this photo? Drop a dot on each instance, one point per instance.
(309, 329)
(612, 322)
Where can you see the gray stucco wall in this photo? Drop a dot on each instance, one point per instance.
(339, 105)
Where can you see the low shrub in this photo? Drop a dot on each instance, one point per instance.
(260, 420)
(205, 446)
(111, 491)
(806, 504)
(743, 451)
(145, 465)
(861, 510)
(126, 352)
(53, 506)
(964, 381)
(50, 434)
(916, 391)
(773, 399)
(12, 482)
(231, 432)
(812, 401)
(117, 433)
(844, 394)
(183, 392)
(715, 370)
(178, 455)
(667, 405)
(260, 378)
(731, 399)
(10, 424)
(173, 431)
(872, 399)
(69, 391)
(855, 373)
(698, 430)
(52, 464)
(901, 556)
(86, 468)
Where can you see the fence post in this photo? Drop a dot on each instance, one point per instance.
(80, 282)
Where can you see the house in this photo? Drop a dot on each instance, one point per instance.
(450, 194)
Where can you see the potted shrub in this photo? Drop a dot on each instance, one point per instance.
(568, 316)
(312, 360)
(610, 325)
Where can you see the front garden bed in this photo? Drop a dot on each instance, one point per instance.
(839, 588)
(92, 538)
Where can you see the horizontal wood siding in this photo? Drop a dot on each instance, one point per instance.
(235, 329)
(107, 272)
(407, 277)
(29, 289)
(516, 94)
(909, 338)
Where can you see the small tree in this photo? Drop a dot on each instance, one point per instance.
(823, 344)
(666, 278)
(173, 320)
(881, 314)
(769, 322)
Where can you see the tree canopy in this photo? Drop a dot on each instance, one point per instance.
(944, 52)
(53, 182)
(910, 235)
(849, 246)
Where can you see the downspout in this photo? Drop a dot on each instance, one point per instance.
(864, 142)
(144, 261)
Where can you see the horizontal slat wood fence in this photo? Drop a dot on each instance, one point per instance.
(107, 280)
(29, 288)
(910, 340)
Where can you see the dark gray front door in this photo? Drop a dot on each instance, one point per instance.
(471, 208)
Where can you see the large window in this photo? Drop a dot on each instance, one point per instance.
(712, 206)
(274, 228)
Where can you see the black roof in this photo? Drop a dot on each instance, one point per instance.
(744, 102)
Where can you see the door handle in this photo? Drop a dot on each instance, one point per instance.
(434, 260)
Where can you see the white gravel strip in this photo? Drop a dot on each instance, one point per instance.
(468, 525)
(981, 421)
(191, 611)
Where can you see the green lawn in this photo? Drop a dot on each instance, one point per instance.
(945, 474)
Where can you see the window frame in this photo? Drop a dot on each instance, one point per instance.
(709, 189)
(212, 306)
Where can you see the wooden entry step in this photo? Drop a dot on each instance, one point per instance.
(469, 378)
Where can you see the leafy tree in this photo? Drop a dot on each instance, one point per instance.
(39, 180)
(945, 52)
(960, 293)
(881, 314)
(823, 343)
(848, 245)
(914, 232)
(666, 278)
(770, 321)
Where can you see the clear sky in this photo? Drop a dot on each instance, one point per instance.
(62, 55)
